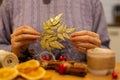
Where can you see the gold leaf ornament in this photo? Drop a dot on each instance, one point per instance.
(69, 30)
(54, 30)
(66, 35)
(60, 36)
(60, 28)
(56, 44)
(57, 19)
(50, 32)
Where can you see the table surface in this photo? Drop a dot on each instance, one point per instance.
(89, 76)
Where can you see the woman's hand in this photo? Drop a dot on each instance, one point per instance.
(22, 37)
(84, 40)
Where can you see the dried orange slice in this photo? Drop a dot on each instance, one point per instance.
(47, 77)
(35, 74)
(31, 64)
(8, 73)
(31, 70)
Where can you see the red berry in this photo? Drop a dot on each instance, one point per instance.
(43, 57)
(62, 68)
(61, 71)
(46, 58)
(61, 58)
(114, 75)
(65, 58)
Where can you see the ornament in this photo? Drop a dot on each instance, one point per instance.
(62, 68)
(63, 58)
(54, 30)
(114, 75)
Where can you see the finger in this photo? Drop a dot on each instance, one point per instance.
(22, 43)
(25, 27)
(87, 39)
(25, 43)
(82, 50)
(25, 31)
(84, 32)
(85, 45)
(22, 27)
(25, 37)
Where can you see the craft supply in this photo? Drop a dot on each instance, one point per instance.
(66, 67)
(8, 59)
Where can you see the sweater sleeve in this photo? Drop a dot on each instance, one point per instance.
(5, 26)
(99, 23)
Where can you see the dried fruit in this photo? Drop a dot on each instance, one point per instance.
(62, 68)
(31, 70)
(8, 73)
(47, 77)
(114, 75)
(31, 64)
(37, 73)
(61, 58)
(46, 58)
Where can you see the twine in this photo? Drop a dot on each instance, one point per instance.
(46, 52)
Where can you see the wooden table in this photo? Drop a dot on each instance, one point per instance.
(89, 76)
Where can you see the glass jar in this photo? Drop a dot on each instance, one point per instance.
(100, 61)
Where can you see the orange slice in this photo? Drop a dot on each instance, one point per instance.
(47, 77)
(31, 70)
(31, 64)
(8, 73)
(35, 74)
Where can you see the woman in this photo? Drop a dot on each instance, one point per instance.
(21, 23)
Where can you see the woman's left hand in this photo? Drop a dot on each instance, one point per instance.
(84, 40)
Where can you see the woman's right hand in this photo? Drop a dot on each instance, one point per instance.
(22, 37)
